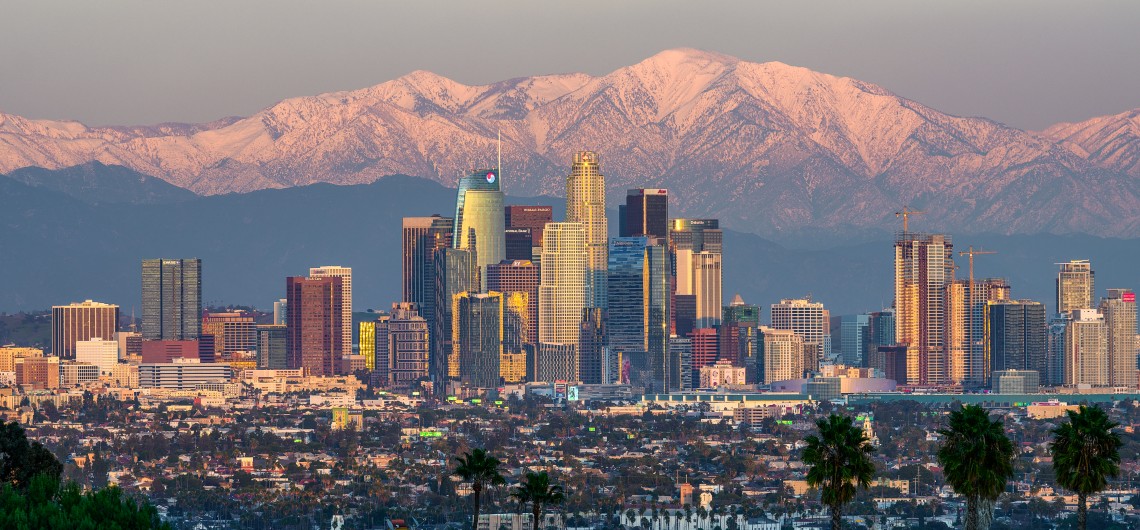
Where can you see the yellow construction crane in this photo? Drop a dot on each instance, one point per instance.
(905, 214)
(971, 253)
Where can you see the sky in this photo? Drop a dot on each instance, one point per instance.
(1026, 63)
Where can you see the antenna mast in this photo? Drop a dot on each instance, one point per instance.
(499, 157)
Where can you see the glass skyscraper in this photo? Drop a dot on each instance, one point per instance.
(639, 304)
(171, 299)
(586, 204)
(479, 220)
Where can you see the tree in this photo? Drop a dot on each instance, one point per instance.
(20, 460)
(840, 463)
(537, 491)
(480, 469)
(1085, 454)
(977, 459)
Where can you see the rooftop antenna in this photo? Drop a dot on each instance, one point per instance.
(499, 158)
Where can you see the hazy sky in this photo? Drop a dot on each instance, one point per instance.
(1028, 63)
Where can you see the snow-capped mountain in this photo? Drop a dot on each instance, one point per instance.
(767, 147)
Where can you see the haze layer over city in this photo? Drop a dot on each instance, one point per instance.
(570, 266)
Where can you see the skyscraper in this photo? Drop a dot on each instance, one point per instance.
(1016, 337)
(592, 350)
(1075, 287)
(562, 284)
(556, 362)
(171, 299)
(518, 276)
(531, 218)
(402, 349)
(638, 288)
(366, 342)
(280, 308)
(855, 338)
(706, 345)
(810, 321)
(314, 339)
(272, 352)
(345, 275)
(81, 321)
(234, 334)
(680, 363)
(519, 244)
(965, 330)
(422, 236)
(455, 272)
(477, 338)
(1086, 349)
(645, 213)
(1119, 309)
(924, 265)
(781, 352)
(695, 246)
(586, 204)
(479, 213)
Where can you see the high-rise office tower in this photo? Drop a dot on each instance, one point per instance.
(881, 329)
(1086, 349)
(1119, 309)
(1075, 288)
(740, 323)
(171, 299)
(683, 313)
(234, 334)
(519, 244)
(810, 321)
(280, 309)
(479, 220)
(402, 350)
(706, 345)
(455, 272)
(272, 353)
(366, 342)
(855, 333)
(81, 321)
(1016, 337)
(562, 284)
(645, 213)
(592, 351)
(781, 352)
(100, 352)
(586, 204)
(924, 265)
(422, 236)
(1055, 362)
(477, 338)
(518, 276)
(638, 316)
(531, 218)
(695, 247)
(681, 363)
(314, 339)
(556, 362)
(965, 328)
(345, 275)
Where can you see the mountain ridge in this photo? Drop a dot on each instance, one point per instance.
(767, 147)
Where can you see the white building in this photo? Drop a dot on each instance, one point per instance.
(99, 352)
(720, 374)
(182, 375)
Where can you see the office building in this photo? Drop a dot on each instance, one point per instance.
(38, 373)
(530, 218)
(881, 329)
(808, 319)
(477, 338)
(280, 311)
(781, 353)
(1119, 310)
(166, 351)
(645, 213)
(345, 275)
(890, 360)
(182, 375)
(233, 332)
(555, 362)
(171, 299)
(81, 321)
(455, 272)
(723, 373)
(98, 352)
(366, 342)
(683, 314)
(1086, 349)
(421, 237)
(737, 331)
(592, 351)
(1055, 362)
(705, 345)
(681, 363)
(479, 218)
(130, 346)
(1016, 338)
(924, 266)
(1075, 286)
(516, 315)
(1016, 381)
(638, 290)
(519, 276)
(965, 330)
(562, 283)
(855, 338)
(314, 338)
(9, 354)
(696, 247)
(77, 374)
(519, 244)
(403, 357)
(586, 204)
(272, 353)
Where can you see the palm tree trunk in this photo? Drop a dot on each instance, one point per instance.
(972, 512)
(536, 510)
(836, 517)
(475, 491)
(1082, 511)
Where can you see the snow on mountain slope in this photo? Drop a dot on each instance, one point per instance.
(767, 147)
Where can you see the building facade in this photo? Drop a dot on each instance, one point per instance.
(1016, 337)
(171, 299)
(924, 266)
(1119, 310)
(315, 337)
(81, 321)
(479, 218)
(586, 204)
(562, 283)
(1075, 286)
(645, 213)
(345, 275)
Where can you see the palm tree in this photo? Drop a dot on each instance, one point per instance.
(840, 460)
(537, 491)
(977, 459)
(1085, 453)
(480, 469)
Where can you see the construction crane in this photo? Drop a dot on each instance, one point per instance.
(905, 214)
(971, 253)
